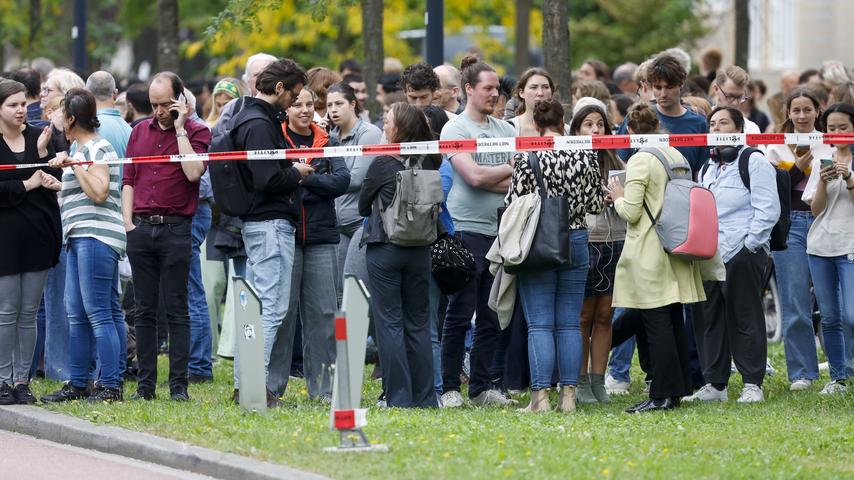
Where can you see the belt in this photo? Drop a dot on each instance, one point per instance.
(162, 219)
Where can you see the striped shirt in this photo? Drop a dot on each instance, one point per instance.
(81, 216)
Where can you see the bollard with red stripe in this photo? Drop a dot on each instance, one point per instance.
(347, 418)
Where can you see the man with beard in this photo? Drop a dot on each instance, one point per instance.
(480, 182)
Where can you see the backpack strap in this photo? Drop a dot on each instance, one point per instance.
(534, 162)
(671, 174)
(744, 165)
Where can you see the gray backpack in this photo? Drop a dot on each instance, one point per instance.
(410, 219)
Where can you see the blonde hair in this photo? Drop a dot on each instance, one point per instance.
(735, 73)
(65, 79)
(699, 105)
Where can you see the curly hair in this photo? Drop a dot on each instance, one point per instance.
(419, 76)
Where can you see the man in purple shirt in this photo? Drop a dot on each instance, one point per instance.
(158, 203)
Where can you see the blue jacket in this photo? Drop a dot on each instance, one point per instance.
(745, 217)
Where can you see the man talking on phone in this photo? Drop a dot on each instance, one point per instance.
(158, 203)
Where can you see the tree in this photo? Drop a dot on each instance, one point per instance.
(523, 32)
(167, 36)
(617, 31)
(556, 46)
(742, 32)
(372, 37)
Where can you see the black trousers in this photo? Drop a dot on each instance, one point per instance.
(399, 284)
(160, 255)
(509, 369)
(473, 298)
(732, 324)
(667, 347)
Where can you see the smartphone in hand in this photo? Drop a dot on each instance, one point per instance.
(181, 99)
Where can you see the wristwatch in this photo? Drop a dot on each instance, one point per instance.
(180, 133)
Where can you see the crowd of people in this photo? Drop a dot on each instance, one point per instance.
(107, 267)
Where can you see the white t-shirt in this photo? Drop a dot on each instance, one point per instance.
(832, 233)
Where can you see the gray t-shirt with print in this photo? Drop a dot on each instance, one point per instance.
(474, 209)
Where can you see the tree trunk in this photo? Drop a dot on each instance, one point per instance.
(742, 32)
(372, 37)
(523, 31)
(35, 24)
(556, 47)
(167, 36)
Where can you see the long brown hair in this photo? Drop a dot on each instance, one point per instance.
(607, 159)
(411, 126)
(798, 92)
(523, 82)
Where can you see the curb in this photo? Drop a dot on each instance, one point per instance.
(46, 425)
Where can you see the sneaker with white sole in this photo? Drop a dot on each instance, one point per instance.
(800, 384)
(708, 394)
(492, 398)
(833, 387)
(616, 387)
(751, 394)
(451, 399)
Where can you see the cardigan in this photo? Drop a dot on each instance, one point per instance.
(32, 229)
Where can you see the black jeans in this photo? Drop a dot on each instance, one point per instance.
(399, 301)
(510, 368)
(160, 255)
(461, 306)
(732, 324)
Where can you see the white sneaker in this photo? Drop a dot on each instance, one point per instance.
(616, 387)
(492, 398)
(451, 399)
(751, 394)
(708, 394)
(833, 387)
(800, 384)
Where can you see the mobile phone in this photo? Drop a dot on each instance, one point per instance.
(826, 162)
(802, 150)
(620, 174)
(181, 99)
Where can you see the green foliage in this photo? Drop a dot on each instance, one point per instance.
(617, 31)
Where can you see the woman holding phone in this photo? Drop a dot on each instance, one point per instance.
(803, 115)
(830, 245)
(607, 232)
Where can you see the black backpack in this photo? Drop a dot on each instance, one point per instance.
(231, 183)
(780, 233)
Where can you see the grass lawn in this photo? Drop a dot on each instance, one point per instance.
(791, 435)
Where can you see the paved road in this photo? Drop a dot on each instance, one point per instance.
(26, 457)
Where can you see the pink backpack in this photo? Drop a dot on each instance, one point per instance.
(687, 224)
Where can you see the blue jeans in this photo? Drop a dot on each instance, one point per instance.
(793, 284)
(620, 363)
(832, 276)
(201, 355)
(552, 302)
(270, 262)
(52, 342)
(91, 273)
(435, 298)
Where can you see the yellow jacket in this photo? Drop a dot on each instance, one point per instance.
(647, 276)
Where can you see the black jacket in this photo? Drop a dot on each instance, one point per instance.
(274, 181)
(32, 230)
(318, 223)
(381, 181)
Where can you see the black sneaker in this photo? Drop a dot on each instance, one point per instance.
(7, 397)
(142, 394)
(23, 395)
(67, 393)
(179, 394)
(105, 394)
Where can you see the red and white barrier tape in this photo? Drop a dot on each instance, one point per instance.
(496, 145)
